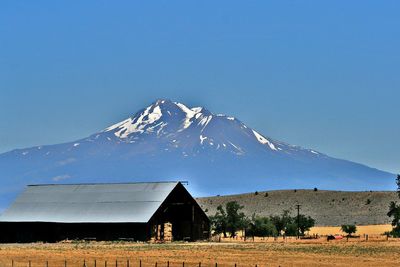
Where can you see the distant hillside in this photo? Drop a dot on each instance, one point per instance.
(328, 208)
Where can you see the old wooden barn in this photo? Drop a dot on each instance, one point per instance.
(135, 211)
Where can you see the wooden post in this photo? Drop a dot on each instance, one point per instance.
(183, 264)
(127, 263)
(216, 264)
(116, 263)
(199, 264)
(105, 263)
(156, 264)
(29, 264)
(47, 263)
(167, 263)
(12, 263)
(95, 263)
(65, 263)
(140, 263)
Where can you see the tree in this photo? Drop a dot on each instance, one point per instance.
(235, 220)
(349, 229)
(394, 211)
(291, 228)
(261, 226)
(229, 220)
(282, 222)
(285, 224)
(305, 223)
(219, 221)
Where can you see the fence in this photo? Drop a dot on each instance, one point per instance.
(316, 238)
(115, 263)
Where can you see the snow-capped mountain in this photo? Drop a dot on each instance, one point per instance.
(170, 141)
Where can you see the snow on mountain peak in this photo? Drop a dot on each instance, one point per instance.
(137, 123)
(190, 113)
(167, 118)
(264, 140)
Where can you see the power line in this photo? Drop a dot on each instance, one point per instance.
(298, 220)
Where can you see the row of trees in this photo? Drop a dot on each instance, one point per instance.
(231, 220)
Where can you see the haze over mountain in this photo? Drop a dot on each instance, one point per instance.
(170, 141)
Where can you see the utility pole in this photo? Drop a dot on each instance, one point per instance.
(298, 220)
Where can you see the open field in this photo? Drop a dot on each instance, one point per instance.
(270, 253)
(373, 230)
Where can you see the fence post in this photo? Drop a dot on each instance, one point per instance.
(116, 263)
(105, 263)
(183, 264)
(199, 264)
(47, 263)
(216, 264)
(65, 263)
(127, 263)
(29, 264)
(12, 263)
(156, 264)
(95, 263)
(167, 263)
(140, 263)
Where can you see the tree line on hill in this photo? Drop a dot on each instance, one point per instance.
(230, 220)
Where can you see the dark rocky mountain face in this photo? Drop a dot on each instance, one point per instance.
(170, 141)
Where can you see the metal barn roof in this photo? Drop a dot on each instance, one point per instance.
(83, 203)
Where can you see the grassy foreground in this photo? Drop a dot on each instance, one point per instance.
(269, 253)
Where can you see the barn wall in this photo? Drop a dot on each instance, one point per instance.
(53, 232)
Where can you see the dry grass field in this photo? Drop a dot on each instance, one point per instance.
(269, 253)
(372, 230)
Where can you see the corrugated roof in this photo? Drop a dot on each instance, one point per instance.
(83, 203)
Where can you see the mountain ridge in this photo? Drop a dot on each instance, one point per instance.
(168, 140)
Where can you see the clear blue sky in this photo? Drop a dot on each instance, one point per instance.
(320, 74)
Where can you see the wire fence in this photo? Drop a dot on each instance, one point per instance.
(116, 263)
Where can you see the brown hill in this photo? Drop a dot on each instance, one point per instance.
(328, 208)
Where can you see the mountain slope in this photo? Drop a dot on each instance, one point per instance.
(169, 141)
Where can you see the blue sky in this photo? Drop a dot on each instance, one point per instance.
(319, 74)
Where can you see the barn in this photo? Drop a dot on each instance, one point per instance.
(158, 211)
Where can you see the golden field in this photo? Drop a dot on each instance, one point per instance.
(290, 252)
(361, 230)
